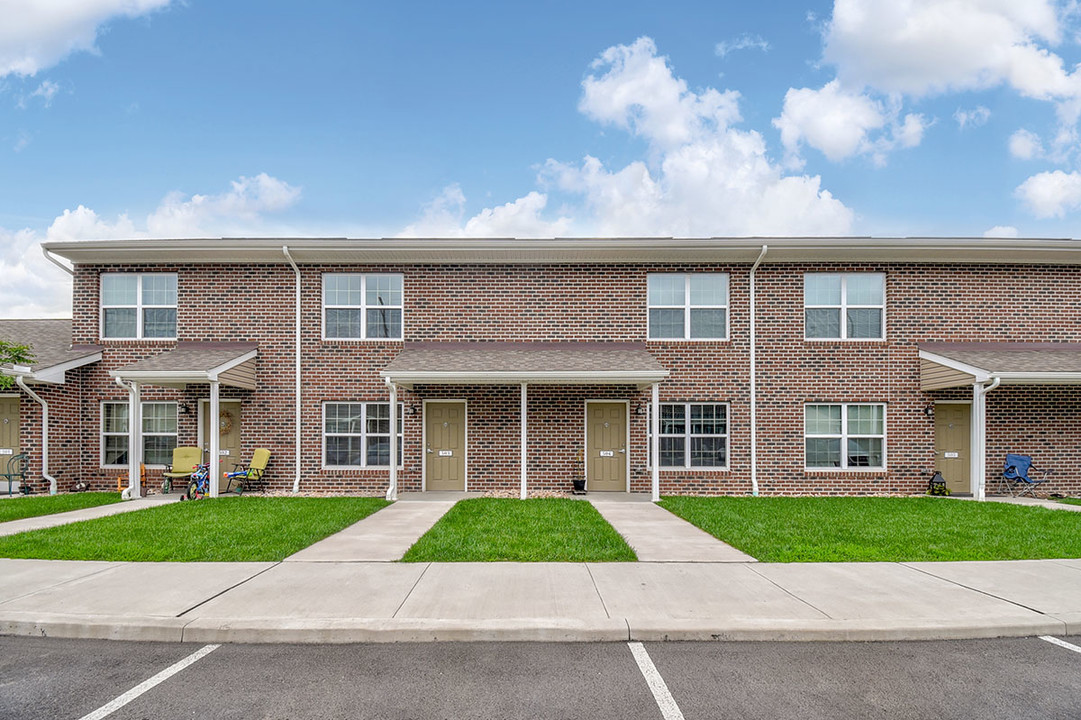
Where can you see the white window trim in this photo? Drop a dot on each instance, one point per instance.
(127, 434)
(139, 307)
(687, 307)
(844, 307)
(364, 435)
(687, 436)
(845, 436)
(363, 309)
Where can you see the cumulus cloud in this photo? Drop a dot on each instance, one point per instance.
(975, 117)
(743, 42)
(1051, 194)
(701, 176)
(1001, 231)
(1025, 145)
(36, 35)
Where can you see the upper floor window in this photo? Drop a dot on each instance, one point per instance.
(357, 306)
(844, 306)
(845, 436)
(688, 306)
(138, 305)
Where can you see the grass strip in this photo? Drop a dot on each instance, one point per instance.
(19, 508)
(535, 530)
(1070, 501)
(882, 529)
(247, 529)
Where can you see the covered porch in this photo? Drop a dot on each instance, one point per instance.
(214, 364)
(434, 370)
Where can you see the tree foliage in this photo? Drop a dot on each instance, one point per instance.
(13, 354)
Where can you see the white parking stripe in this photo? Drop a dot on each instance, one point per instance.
(1061, 643)
(109, 709)
(665, 701)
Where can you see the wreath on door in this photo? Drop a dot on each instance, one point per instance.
(225, 422)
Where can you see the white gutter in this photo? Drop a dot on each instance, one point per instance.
(49, 256)
(754, 397)
(978, 462)
(44, 432)
(296, 371)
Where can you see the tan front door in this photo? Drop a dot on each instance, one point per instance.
(953, 424)
(606, 446)
(229, 433)
(9, 430)
(444, 445)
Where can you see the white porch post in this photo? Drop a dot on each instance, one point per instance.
(135, 440)
(655, 441)
(524, 411)
(214, 426)
(392, 487)
(978, 463)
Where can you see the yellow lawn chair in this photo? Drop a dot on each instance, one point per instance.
(185, 460)
(247, 476)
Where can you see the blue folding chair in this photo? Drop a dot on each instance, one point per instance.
(1016, 478)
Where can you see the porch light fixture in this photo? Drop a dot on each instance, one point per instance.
(413, 409)
(638, 408)
(185, 409)
(929, 411)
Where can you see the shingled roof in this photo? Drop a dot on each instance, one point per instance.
(50, 342)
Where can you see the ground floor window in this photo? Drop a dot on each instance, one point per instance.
(693, 435)
(158, 430)
(845, 436)
(358, 434)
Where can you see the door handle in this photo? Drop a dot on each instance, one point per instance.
(623, 450)
(429, 448)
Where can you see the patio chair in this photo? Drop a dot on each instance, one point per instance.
(1016, 479)
(250, 475)
(16, 471)
(185, 460)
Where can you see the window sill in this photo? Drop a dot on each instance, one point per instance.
(837, 471)
(845, 340)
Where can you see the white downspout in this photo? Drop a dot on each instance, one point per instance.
(44, 433)
(978, 462)
(49, 256)
(296, 371)
(135, 444)
(754, 383)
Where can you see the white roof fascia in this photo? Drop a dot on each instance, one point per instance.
(554, 377)
(980, 374)
(1039, 378)
(164, 376)
(213, 373)
(54, 374)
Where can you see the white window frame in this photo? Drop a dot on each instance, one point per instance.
(845, 436)
(127, 433)
(363, 307)
(687, 307)
(844, 307)
(139, 306)
(688, 435)
(364, 435)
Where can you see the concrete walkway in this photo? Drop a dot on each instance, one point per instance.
(46, 521)
(657, 535)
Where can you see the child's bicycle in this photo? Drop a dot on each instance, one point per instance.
(199, 485)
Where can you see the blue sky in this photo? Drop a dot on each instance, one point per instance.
(157, 118)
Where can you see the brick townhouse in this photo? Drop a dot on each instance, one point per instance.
(838, 366)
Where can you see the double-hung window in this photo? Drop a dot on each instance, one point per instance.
(362, 306)
(845, 436)
(688, 306)
(137, 306)
(358, 434)
(159, 433)
(844, 306)
(693, 435)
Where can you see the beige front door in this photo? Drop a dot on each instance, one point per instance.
(606, 446)
(229, 433)
(9, 429)
(953, 423)
(444, 446)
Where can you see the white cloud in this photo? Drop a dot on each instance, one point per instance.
(743, 42)
(32, 286)
(975, 117)
(35, 35)
(238, 211)
(702, 177)
(1051, 194)
(1001, 231)
(1025, 145)
(47, 90)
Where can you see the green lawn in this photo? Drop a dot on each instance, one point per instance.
(17, 508)
(222, 530)
(537, 530)
(882, 529)
(1071, 501)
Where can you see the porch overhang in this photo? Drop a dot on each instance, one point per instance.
(531, 363)
(195, 363)
(949, 365)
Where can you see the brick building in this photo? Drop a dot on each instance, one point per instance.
(773, 366)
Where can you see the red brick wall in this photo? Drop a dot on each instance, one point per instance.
(608, 303)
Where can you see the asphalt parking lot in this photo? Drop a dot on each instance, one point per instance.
(1016, 678)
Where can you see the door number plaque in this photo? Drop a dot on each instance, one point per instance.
(952, 454)
(608, 453)
(446, 453)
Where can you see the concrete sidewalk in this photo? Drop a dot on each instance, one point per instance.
(46, 521)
